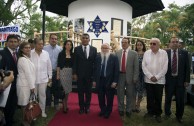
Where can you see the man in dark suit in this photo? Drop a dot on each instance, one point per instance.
(177, 78)
(9, 62)
(106, 77)
(83, 67)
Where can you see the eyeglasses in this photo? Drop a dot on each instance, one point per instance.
(153, 44)
(54, 38)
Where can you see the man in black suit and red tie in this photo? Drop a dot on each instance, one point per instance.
(83, 67)
(177, 78)
(9, 62)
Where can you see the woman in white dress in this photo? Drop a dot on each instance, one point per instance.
(26, 76)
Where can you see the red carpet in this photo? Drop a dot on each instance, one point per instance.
(73, 118)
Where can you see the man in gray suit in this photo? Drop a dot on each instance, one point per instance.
(129, 71)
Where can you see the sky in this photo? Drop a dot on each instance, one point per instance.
(178, 2)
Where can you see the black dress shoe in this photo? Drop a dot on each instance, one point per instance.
(180, 120)
(87, 111)
(101, 114)
(121, 113)
(128, 114)
(81, 111)
(158, 119)
(107, 115)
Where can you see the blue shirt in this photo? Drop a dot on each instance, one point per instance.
(53, 54)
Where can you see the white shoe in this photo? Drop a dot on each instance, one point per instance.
(44, 114)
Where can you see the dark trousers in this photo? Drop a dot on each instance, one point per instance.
(179, 91)
(10, 107)
(84, 86)
(105, 96)
(53, 90)
(154, 98)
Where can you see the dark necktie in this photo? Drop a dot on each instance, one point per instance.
(103, 67)
(14, 56)
(174, 63)
(85, 53)
(123, 68)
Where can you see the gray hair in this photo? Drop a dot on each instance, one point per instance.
(155, 39)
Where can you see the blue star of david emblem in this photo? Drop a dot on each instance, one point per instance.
(97, 26)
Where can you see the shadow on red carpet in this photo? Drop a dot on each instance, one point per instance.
(73, 118)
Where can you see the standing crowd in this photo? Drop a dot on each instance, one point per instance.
(48, 72)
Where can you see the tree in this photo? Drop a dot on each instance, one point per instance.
(14, 9)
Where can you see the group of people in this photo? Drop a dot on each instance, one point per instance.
(48, 71)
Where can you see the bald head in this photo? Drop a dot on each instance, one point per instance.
(105, 48)
(154, 44)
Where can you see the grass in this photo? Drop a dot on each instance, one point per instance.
(135, 120)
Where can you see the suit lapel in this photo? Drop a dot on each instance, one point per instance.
(90, 51)
(120, 56)
(81, 51)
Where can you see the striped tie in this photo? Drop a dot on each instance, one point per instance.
(174, 63)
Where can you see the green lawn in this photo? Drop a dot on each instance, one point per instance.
(135, 120)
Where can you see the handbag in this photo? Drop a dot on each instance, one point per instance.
(32, 109)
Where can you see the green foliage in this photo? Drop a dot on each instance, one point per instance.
(176, 20)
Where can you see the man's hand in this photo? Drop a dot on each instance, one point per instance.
(186, 84)
(113, 85)
(32, 90)
(94, 84)
(153, 79)
(75, 77)
(49, 83)
(7, 81)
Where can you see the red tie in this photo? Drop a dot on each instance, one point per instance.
(174, 63)
(14, 57)
(123, 68)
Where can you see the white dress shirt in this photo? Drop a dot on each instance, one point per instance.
(87, 49)
(43, 66)
(155, 64)
(126, 55)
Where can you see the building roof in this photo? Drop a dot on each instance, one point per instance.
(140, 7)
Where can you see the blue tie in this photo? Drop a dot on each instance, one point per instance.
(103, 67)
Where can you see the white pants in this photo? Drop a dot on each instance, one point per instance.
(40, 90)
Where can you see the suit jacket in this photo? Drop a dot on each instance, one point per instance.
(83, 66)
(132, 65)
(112, 70)
(183, 68)
(27, 73)
(8, 63)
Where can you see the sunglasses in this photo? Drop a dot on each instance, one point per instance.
(153, 44)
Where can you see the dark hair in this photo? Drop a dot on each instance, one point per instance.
(86, 34)
(64, 49)
(37, 40)
(144, 47)
(22, 45)
(126, 39)
(52, 34)
(31, 41)
(12, 36)
(172, 38)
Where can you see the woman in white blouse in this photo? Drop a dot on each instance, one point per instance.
(26, 75)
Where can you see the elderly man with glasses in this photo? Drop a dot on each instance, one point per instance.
(154, 65)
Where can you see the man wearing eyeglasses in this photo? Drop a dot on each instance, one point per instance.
(106, 75)
(177, 78)
(154, 65)
(83, 67)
